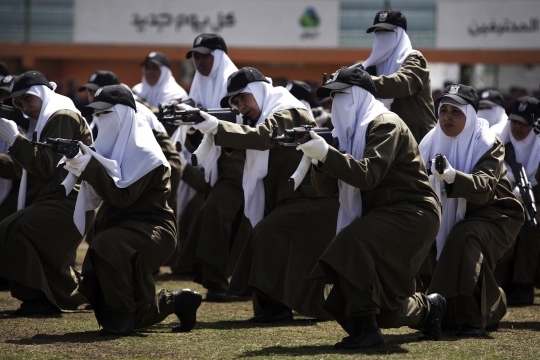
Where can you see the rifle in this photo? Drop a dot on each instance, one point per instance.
(299, 135)
(169, 115)
(440, 164)
(68, 148)
(295, 137)
(523, 184)
(11, 113)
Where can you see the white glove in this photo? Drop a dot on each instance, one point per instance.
(517, 194)
(77, 165)
(449, 174)
(8, 131)
(209, 125)
(316, 148)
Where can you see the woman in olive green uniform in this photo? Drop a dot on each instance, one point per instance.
(291, 228)
(387, 220)
(134, 233)
(480, 216)
(38, 243)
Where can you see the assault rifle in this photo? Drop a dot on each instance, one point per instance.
(299, 135)
(11, 113)
(523, 184)
(169, 115)
(68, 148)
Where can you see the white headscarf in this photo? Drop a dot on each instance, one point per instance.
(127, 150)
(527, 152)
(390, 50)
(352, 113)
(494, 115)
(270, 100)
(208, 92)
(51, 103)
(165, 90)
(462, 152)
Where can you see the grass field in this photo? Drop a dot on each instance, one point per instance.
(223, 332)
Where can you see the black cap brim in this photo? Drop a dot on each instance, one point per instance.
(200, 49)
(224, 103)
(325, 90)
(518, 118)
(100, 105)
(158, 63)
(89, 86)
(456, 98)
(17, 93)
(385, 26)
(487, 103)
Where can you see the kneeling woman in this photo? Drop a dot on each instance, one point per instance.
(134, 233)
(480, 216)
(388, 217)
(291, 228)
(38, 243)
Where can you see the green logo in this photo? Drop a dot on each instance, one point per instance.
(310, 18)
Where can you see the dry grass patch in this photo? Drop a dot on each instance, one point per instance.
(223, 332)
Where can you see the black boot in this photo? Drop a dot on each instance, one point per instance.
(273, 313)
(121, 324)
(37, 306)
(366, 334)
(431, 329)
(522, 295)
(186, 303)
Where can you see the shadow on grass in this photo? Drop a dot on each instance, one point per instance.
(392, 345)
(83, 337)
(227, 325)
(515, 325)
(10, 315)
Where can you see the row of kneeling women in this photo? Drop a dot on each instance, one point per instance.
(345, 242)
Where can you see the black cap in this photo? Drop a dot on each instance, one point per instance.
(491, 97)
(347, 76)
(389, 20)
(110, 95)
(4, 71)
(157, 58)
(5, 84)
(462, 94)
(206, 43)
(99, 79)
(299, 90)
(238, 81)
(525, 109)
(25, 81)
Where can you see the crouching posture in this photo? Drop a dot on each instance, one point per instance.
(134, 232)
(291, 228)
(38, 243)
(388, 216)
(480, 215)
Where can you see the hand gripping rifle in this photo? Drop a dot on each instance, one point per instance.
(440, 164)
(299, 135)
(68, 148)
(523, 184)
(169, 115)
(295, 137)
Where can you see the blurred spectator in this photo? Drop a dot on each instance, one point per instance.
(436, 94)
(73, 94)
(279, 81)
